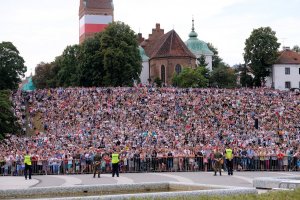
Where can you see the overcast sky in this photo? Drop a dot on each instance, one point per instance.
(41, 29)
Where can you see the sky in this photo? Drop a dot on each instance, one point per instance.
(41, 29)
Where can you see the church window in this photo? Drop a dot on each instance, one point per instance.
(178, 69)
(163, 73)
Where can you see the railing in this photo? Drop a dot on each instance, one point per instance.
(165, 164)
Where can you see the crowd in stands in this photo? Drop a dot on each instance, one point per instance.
(174, 127)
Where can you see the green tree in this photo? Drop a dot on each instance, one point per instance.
(201, 61)
(67, 63)
(261, 52)
(216, 60)
(246, 80)
(44, 75)
(121, 58)
(296, 48)
(191, 78)
(7, 118)
(12, 66)
(91, 69)
(223, 77)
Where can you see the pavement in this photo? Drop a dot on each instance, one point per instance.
(239, 179)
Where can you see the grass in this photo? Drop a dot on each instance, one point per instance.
(272, 195)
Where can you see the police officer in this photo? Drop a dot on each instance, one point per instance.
(28, 167)
(115, 163)
(97, 163)
(218, 157)
(229, 159)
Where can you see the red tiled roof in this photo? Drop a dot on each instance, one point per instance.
(288, 57)
(171, 45)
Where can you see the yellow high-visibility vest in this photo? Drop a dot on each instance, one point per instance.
(228, 154)
(114, 158)
(27, 160)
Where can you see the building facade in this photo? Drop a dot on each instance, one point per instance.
(94, 16)
(286, 71)
(144, 77)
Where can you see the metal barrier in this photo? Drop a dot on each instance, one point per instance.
(150, 164)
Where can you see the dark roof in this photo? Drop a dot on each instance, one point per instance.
(171, 45)
(288, 57)
(103, 4)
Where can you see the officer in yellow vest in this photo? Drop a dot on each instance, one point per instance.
(229, 160)
(115, 163)
(28, 167)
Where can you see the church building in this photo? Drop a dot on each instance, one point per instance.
(165, 54)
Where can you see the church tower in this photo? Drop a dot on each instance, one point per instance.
(94, 16)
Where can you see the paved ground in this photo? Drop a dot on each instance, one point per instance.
(242, 179)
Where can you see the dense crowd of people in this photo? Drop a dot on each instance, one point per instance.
(175, 127)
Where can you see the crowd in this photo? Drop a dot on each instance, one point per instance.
(173, 127)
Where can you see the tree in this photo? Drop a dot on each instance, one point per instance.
(110, 58)
(91, 69)
(121, 58)
(246, 80)
(67, 74)
(261, 52)
(191, 78)
(202, 61)
(12, 66)
(7, 118)
(216, 60)
(296, 48)
(44, 75)
(223, 77)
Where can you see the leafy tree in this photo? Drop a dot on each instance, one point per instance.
(202, 61)
(216, 60)
(91, 69)
(110, 58)
(44, 75)
(191, 78)
(67, 74)
(246, 80)
(296, 48)
(261, 52)
(121, 57)
(7, 118)
(11, 66)
(223, 77)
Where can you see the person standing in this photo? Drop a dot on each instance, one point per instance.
(115, 163)
(229, 159)
(28, 167)
(97, 163)
(218, 157)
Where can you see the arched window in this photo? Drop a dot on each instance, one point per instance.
(178, 69)
(163, 73)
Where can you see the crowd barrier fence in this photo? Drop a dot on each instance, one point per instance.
(143, 165)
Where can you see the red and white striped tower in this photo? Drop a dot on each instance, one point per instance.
(94, 16)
